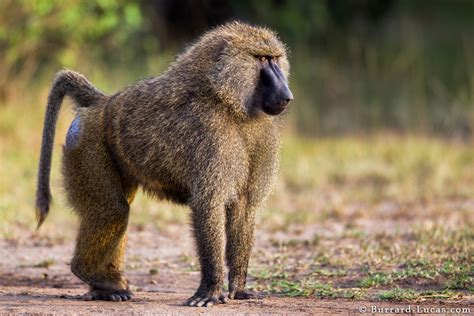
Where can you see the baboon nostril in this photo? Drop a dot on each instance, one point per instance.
(290, 96)
(287, 95)
(284, 103)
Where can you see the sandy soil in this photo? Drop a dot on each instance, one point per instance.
(35, 278)
(49, 300)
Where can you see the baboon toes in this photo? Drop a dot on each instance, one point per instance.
(205, 299)
(108, 295)
(244, 295)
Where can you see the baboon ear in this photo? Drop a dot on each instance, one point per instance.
(220, 50)
(222, 74)
(229, 76)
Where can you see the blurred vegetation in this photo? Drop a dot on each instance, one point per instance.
(358, 65)
(358, 214)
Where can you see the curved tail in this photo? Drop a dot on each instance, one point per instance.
(84, 94)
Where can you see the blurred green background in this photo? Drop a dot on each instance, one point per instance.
(377, 164)
(358, 66)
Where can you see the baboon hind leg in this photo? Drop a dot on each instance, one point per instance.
(99, 197)
(98, 257)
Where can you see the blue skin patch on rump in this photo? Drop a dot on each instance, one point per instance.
(73, 133)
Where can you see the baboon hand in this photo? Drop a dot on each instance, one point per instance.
(206, 298)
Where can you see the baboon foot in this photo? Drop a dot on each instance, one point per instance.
(244, 295)
(108, 295)
(206, 298)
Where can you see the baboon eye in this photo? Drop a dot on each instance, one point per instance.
(276, 59)
(262, 58)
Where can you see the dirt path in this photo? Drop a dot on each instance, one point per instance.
(48, 300)
(35, 278)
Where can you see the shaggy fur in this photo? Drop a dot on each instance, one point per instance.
(192, 136)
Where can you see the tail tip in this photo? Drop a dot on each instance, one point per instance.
(41, 214)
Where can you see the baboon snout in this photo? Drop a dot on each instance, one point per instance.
(286, 96)
(275, 91)
(277, 99)
(281, 101)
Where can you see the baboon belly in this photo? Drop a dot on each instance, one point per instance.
(174, 193)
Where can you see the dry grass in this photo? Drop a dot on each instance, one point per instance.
(382, 217)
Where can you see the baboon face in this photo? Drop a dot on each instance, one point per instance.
(272, 94)
(251, 70)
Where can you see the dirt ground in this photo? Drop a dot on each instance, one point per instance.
(33, 300)
(161, 268)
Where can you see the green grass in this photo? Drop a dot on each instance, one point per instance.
(44, 264)
(427, 266)
(461, 276)
(398, 294)
(375, 279)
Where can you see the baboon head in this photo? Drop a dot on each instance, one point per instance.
(248, 69)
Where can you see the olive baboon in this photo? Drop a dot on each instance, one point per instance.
(205, 134)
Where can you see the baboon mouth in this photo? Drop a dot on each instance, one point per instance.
(274, 110)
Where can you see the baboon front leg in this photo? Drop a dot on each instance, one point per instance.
(99, 254)
(208, 228)
(240, 223)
